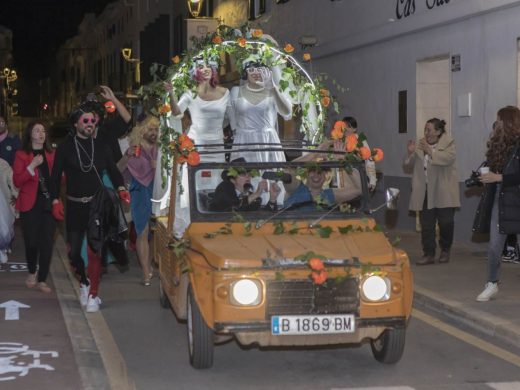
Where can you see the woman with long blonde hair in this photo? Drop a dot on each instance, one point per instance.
(502, 186)
(141, 165)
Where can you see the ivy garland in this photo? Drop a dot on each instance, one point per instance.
(239, 44)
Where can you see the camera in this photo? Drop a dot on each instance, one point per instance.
(473, 180)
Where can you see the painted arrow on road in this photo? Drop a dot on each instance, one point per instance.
(12, 309)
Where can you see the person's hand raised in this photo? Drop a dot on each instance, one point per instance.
(267, 78)
(107, 93)
(425, 147)
(274, 191)
(410, 146)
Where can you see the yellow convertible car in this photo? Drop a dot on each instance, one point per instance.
(281, 254)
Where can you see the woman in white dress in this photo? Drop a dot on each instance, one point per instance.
(207, 108)
(253, 115)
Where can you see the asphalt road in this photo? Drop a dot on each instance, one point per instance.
(153, 345)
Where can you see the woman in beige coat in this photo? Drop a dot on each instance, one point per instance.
(435, 188)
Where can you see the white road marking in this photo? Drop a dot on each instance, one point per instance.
(468, 338)
(12, 309)
(493, 385)
(505, 385)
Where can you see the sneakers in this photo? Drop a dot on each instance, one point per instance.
(93, 304)
(30, 282)
(425, 260)
(83, 294)
(511, 255)
(444, 257)
(490, 290)
(44, 288)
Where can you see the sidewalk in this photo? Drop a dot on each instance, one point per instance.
(45, 340)
(450, 289)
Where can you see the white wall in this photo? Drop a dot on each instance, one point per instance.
(375, 58)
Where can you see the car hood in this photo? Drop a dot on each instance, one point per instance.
(248, 248)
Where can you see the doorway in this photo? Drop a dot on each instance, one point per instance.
(433, 99)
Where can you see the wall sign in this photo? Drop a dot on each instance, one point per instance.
(455, 63)
(405, 8)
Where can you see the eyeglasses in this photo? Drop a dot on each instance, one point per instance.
(91, 120)
(255, 70)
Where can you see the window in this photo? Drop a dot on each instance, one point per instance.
(256, 8)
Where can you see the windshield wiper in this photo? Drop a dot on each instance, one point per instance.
(315, 222)
(261, 223)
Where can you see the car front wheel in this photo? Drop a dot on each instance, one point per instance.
(200, 336)
(389, 347)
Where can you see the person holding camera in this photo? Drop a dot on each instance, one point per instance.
(236, 192)
(499, 211)
(435, 188)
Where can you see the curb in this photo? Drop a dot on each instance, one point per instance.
(99, 361)
(92, 372)
(480, 321)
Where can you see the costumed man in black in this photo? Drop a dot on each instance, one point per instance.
(82, 158)
(109, 131)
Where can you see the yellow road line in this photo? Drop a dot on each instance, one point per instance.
(468, 338)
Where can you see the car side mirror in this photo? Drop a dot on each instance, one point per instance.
(391, 195)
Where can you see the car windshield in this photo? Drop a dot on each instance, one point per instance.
(276, 190)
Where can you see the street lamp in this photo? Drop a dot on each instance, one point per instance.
(10, 76)
(195, 6)
(127, 55)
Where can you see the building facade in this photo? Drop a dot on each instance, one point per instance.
(6, 62)
(400, 61)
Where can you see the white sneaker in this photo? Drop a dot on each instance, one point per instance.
(93, 304)
(83, 294)
(489, 292)
(3, 257)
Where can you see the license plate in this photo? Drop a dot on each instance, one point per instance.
(320, 324)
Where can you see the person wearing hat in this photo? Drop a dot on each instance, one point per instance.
(207, 107)
(254, 109)
(82, 158)
(236, 193)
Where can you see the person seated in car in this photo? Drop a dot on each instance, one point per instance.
(312, 190)
(236, 193)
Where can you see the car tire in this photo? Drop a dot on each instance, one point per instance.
(200, 336)
(163, 298)
(389, 347)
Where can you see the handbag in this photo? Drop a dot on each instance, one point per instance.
(106, 218)
(47, 205)
(482, 220)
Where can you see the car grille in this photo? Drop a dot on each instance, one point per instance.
(288, 297)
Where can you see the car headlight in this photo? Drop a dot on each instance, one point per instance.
(376, 288)
(246, 292)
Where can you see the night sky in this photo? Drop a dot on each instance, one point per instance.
(39, 27)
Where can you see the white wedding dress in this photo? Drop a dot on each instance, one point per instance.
(254, 124)
(207, 118)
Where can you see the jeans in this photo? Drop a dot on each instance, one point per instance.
(429, 218)
(496, 244)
